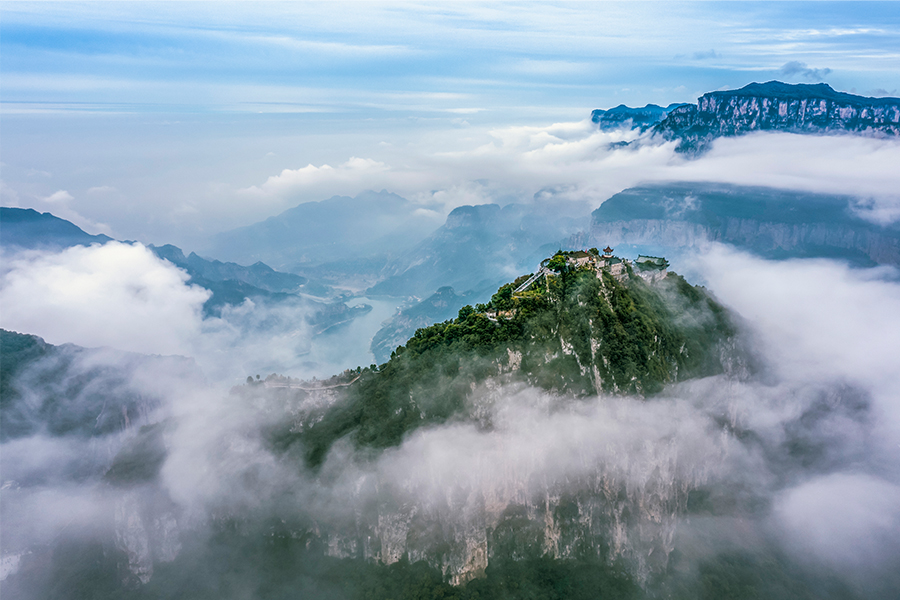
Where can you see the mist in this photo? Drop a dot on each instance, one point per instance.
(571, 165)
(124, 297)
(802, 450)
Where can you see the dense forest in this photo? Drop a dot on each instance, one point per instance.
(576, 332)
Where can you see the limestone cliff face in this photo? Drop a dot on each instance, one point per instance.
(770, 222)
(617, 497)
(146, 533)
(766, 237)
(493, 482)
(624, 501)
(603, 514)
(776, 106)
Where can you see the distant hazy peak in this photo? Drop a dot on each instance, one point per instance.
(621, 115)
(334, 229)
(28, 228)
(471, 215)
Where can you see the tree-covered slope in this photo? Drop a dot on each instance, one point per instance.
(578, 332)
(440, 306)
(68, 390)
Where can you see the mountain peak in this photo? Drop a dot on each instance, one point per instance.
(800, 91)
(778, 106)
(28, 228)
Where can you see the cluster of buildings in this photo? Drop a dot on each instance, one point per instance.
(650, 268)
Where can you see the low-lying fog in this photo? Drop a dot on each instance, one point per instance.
(825, 334)
(572, 164)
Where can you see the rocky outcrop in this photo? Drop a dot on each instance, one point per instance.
(602, 515)
(145, 533)
(776, 106)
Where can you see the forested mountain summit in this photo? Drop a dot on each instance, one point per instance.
(584, 324)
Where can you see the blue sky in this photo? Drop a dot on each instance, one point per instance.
(524, 59)
(160, 101)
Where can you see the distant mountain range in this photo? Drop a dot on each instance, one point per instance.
(478, 248)
(333, 230)
(772, 106)
(230, 283)
(624, 116)
(26, 228)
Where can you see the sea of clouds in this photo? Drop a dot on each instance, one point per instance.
(824, 332)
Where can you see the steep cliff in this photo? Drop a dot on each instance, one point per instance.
(777, 106)
(577, 333)
(772, 223)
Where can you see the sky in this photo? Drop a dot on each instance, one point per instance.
(161, 122)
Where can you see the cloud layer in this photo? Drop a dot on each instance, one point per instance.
(823, 333)
(117, 295)
(575, 162)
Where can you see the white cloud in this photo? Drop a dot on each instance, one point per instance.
(849, 520)
(584, 165)
(350, 177)
(820, 320)
(324, 49)
(116, 295)
(59, 203)
(838, 164)
(124, 297)
(59, 197)
(817, 315)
